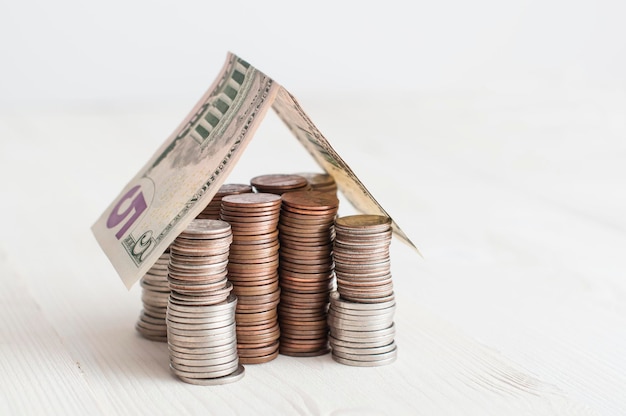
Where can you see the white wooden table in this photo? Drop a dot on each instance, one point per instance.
(518, 307)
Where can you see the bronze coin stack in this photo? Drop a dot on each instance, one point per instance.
(306, 271)
(253, 271)
(361, 312)
(201, 331)
(155, 292)
(322, 182)
(212, 210)
(279, 183)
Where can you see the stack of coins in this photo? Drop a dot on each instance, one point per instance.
(306, 271)
(322, 182)
(155, 292)
(212, 210)
(253, 271)
(361, 313)
(201, 331)
(279, 183)
(362, 334)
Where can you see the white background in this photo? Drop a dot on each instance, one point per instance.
(493, 132)
(71, 50)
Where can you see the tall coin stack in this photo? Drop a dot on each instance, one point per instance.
(322, 182)
(253, 271)
(155, 292)
(201, 331)
(279, 183)
(306, 271)
(361, 312)
(212, 210)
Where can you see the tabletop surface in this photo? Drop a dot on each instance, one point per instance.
(516, 305)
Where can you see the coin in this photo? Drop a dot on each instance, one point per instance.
(279, 183)
(201, 329)
(212, 210)
(320, 181)
(306, 270)
(253, 200)
(214, 381)
(155, 293)
(389, 358)
(253, 269)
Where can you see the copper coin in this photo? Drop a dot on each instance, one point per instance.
(318, 268)
(244, 351)
(259, 338)
(245, 249)
(360, 299)
(256, 239)
(306, 325)
(258, 307)
(256, 317)
(259, 359)
(308, 348)
(252, 267)
(291, 302)
(256, 328)
(319, 233)
(260, 299)
(361, 221)
(242, 286)
(255, 290)
(317, 179)
(311, 217)
(310, 200)
(305, 312)
(279, 181)
(251, 254)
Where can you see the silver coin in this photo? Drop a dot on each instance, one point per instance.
(336, 324)
(201, 350)
(335, 298)
(230, 302)
(225, 352)
(193, 343)
(202, 333)
(230, 378)
(197, 326)
(202, 341)
(199, 319)
(363, 351)
(364, 363)
(367, 357)
(150, 319)
(203, 363)
(205, 372)
(373, 341)
(361, 343)
(191, 317)
(363, 313)
(374, 318)
(364, 334)
(371, 322)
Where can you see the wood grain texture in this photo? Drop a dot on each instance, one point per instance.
(517, 308)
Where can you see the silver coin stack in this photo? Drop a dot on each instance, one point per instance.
(155, 292)
(200, 318)
(361, 311)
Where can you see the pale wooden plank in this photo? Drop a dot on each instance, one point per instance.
(39, 375)
(441, 369)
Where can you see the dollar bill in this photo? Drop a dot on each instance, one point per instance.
(184, 174)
